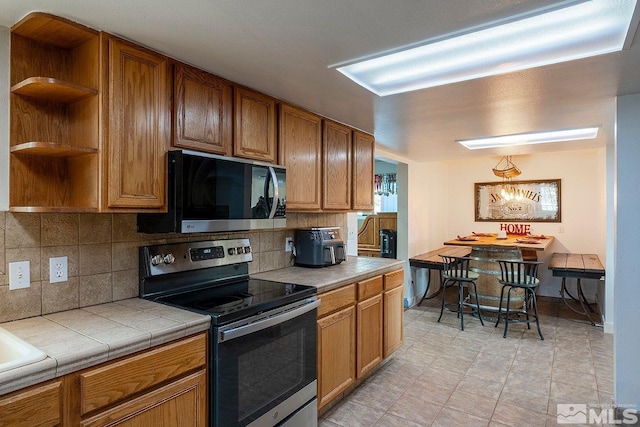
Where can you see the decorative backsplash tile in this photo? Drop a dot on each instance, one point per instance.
(102, 254)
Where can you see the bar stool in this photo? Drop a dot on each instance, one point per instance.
(456, 270)
(519, 275)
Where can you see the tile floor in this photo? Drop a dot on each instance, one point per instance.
(446, 377)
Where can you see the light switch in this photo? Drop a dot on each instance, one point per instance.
(19, 276)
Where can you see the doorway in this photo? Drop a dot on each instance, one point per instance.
(390, 204)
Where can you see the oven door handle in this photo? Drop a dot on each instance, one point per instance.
(259, 325)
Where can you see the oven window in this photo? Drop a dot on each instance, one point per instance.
(268, 371)
(256, 372)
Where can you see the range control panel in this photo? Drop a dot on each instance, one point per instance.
(201, 254)
(177, 257)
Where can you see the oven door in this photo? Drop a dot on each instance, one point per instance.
(264, 368)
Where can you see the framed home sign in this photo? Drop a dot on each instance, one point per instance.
(535, 201)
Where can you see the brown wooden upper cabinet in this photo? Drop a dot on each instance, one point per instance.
(89, 120)
(301, 152)
(139, 126)
(363, 168)
(255, 125)
(329, 164)
(336, 170)
(203, 111)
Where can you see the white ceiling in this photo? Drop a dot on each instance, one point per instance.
(284, 47)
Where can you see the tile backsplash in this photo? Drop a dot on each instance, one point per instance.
(102, 253)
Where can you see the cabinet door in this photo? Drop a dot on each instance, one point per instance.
(38, 406)
(336, 354)
(300, 151)
(255, 125)
(393, 320)
(336, 171)
(179, 403)
(139, 124)
(363, 149)
(369, 334)
(203, 108)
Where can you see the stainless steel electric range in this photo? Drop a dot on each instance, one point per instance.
(262, 355)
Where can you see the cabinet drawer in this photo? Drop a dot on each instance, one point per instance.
(116, 381)
(181, 402)
(370, 287)
(38, 406)
(393, 279)
(337, 299)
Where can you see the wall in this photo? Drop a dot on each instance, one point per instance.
(102, 251)
(626, 237)
(605, 296)
(5, 37)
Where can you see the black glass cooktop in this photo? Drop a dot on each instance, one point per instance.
(239, 299)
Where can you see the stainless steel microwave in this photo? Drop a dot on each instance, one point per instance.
(209, 193)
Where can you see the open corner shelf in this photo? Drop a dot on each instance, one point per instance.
(52, 89)
(53, 30)
(52, 149)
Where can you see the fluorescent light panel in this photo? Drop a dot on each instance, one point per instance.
(576, 31)
(531, 138)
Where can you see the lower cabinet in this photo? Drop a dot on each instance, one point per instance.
(359, 325)
(37, 406)
(393, 311)
(336, 354)
(369, 334)
(393, 320)
(162, 386)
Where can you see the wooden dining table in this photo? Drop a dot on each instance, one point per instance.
(432, 260)
(577, 266)
(516, 240)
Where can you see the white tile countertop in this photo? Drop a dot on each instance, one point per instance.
(327, 278)
(78, 339)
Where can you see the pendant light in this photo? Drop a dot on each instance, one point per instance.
(507, 170)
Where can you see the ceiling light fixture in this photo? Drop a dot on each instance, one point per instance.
(531, 138)
(508, 171)
(547, 36)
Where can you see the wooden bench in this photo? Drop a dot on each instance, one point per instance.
(432, 261)
(577, 266)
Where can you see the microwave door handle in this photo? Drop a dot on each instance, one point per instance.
(274, 180)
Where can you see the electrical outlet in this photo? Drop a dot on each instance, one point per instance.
(288, 244)
(19, 275)
(58, 269)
